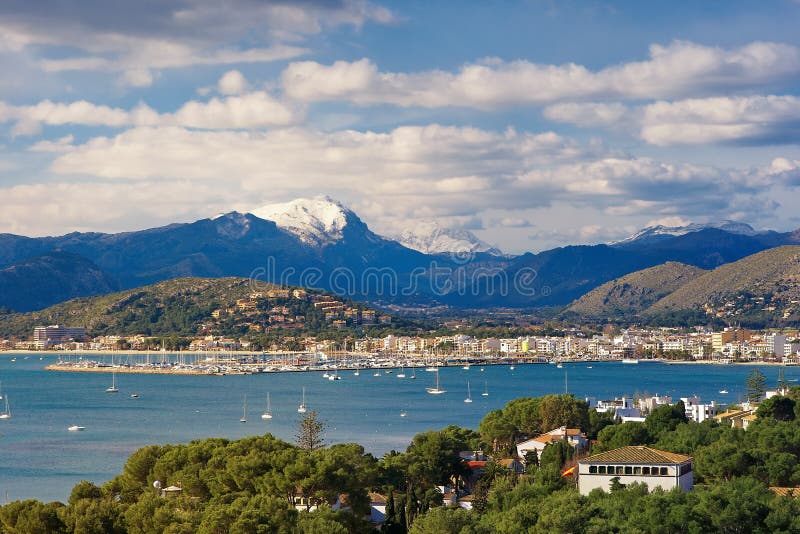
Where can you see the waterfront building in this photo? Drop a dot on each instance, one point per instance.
(656, 468)
(48, 336)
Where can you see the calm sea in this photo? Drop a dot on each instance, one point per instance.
(40, 459)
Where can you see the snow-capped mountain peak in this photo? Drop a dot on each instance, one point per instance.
(661, 231)
(317, 221)
(429, 237)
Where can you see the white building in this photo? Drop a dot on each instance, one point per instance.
(699, 412)
(574, 437)
(776, 344)
(657, 469)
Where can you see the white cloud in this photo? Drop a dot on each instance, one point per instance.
(117, 36)
(681, 68)
(588, 113)
(722, 119)
(232, 82)
(251, 110)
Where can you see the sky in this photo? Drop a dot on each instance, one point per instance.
(533, 124)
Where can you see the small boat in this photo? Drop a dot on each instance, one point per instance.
(481, 369)
(76, 428)
(267, 414)
(588, 366)
(402, 373)
(436, 390)
(403, 413)
(560, 365)
(356, 373)
(511, 368)
(485, 389)
(431, 369)
(326, 375)
(113, 387)
(302, 407)
(376, 374)
(243, 419)
(469, 394)
(723, 391)
(465, 367)
(334, 376)
(630, 360)
(134, 395)
(413, 375)
(6, 413)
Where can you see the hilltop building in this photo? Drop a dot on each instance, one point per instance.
(48, 336)
(657, 469)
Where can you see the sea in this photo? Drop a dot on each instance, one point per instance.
(41, 459)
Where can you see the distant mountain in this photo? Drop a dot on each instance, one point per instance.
(659, 232)
(761, 287)
(316, 221)
(633, 293)
(321, 243)
(429, 237)
(44, 280)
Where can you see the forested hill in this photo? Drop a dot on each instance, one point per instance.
(194, 306)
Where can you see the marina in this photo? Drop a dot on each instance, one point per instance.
(41, 459)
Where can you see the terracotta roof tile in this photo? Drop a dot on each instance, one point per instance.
(783, 492)
(637, 455)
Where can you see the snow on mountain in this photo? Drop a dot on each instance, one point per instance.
(661, 231)
(429, 237)
(316, 221)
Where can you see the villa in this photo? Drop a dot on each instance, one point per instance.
(657, 469)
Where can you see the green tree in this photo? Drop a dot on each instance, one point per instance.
(777, 407)
(309, 432)
(756, 386)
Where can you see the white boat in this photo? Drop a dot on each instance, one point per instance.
(356, 373)
(243, 419)
(113, 387)
(134, 395)
(413, 374)
(403, 413)
(465, 367)
(267, 414)
(302, 407)
(402, 373)
(6, 413)
(76, 428)
(325, 375)
(588, 366)
(485, 389)
(376, 374)
(560, 365)
(1, 391)
(630, 360)
(469, 394)
(432, 369)
(511, 368)
(334, 376)
(723, 391)
(436, 390)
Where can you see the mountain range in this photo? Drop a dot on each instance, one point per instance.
(760, 290)
(320, 243)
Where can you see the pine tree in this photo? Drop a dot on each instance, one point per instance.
(756, 386)
(309, 433)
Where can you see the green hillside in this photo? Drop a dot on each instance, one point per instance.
(631, 294)
(760, 290)
(194, 306)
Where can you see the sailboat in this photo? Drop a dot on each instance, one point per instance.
(356, 373)
(302, 407)
(414, 374)
(485, 389)
(402, 373)
(436, 390)
(268, 413)
(6, 413)
(334, 376)
(113, 387)
(243, 419)
(469, 394)
(1, 391)
(76, 428)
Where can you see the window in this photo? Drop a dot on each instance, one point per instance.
(664, 471)
(602, 469)
(592, 469)
(628, 470)
(645, 470)
(637, 470)
(619, 469)
(685, 468)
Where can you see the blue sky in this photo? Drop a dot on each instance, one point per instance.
(534, 124)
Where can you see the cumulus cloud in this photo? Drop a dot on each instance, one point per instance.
(679, 69)
(250, 110)
(589, 113)
(137, 39)
(426, 171)
(232, 82)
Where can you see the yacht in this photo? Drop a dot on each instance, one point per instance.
(113, 387)
(302, 407)
(723, 391)
(243, 419)
(76, 428)
(485, 389)
(6, 413)
(268, 413)
(469, 394)
(436, 390)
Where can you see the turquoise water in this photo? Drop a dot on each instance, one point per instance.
(40, 459)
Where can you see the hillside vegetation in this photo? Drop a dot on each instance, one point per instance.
(761, 287)
(633, 293)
